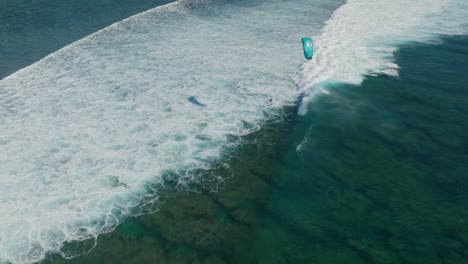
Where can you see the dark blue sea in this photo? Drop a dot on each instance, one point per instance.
(357, 156)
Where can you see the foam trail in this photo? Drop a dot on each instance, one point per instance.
(85, 132)
(361, 36)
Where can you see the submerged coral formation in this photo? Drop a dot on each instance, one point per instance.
(213, 223)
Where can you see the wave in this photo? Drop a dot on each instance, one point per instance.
(89, 133)
(361, 37)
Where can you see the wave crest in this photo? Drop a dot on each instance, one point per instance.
(361, 37)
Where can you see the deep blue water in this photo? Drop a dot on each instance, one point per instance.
(380, 174)
(32, 29)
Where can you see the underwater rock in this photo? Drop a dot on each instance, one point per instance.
(453, 257)
(464, 238)
(179, 259)
(191, 220)
(118, 248)
(182, 205)
(243, 188)
(375, 250)
(213, 260)
(203, 234)
(246, 215)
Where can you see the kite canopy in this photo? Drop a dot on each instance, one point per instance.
(308, 48)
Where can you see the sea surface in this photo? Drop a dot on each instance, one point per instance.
(143, 132)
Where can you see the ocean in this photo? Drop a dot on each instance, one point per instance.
(142, 132)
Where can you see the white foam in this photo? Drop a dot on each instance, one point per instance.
(84, 131)
(361, 36)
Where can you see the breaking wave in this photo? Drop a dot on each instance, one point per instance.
(361, 37)
(89, 132)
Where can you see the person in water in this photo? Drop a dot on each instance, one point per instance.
(270, 102)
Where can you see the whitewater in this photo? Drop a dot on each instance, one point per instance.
(361, 37)
(88, 131)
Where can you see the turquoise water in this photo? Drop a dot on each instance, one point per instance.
(374, 172)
